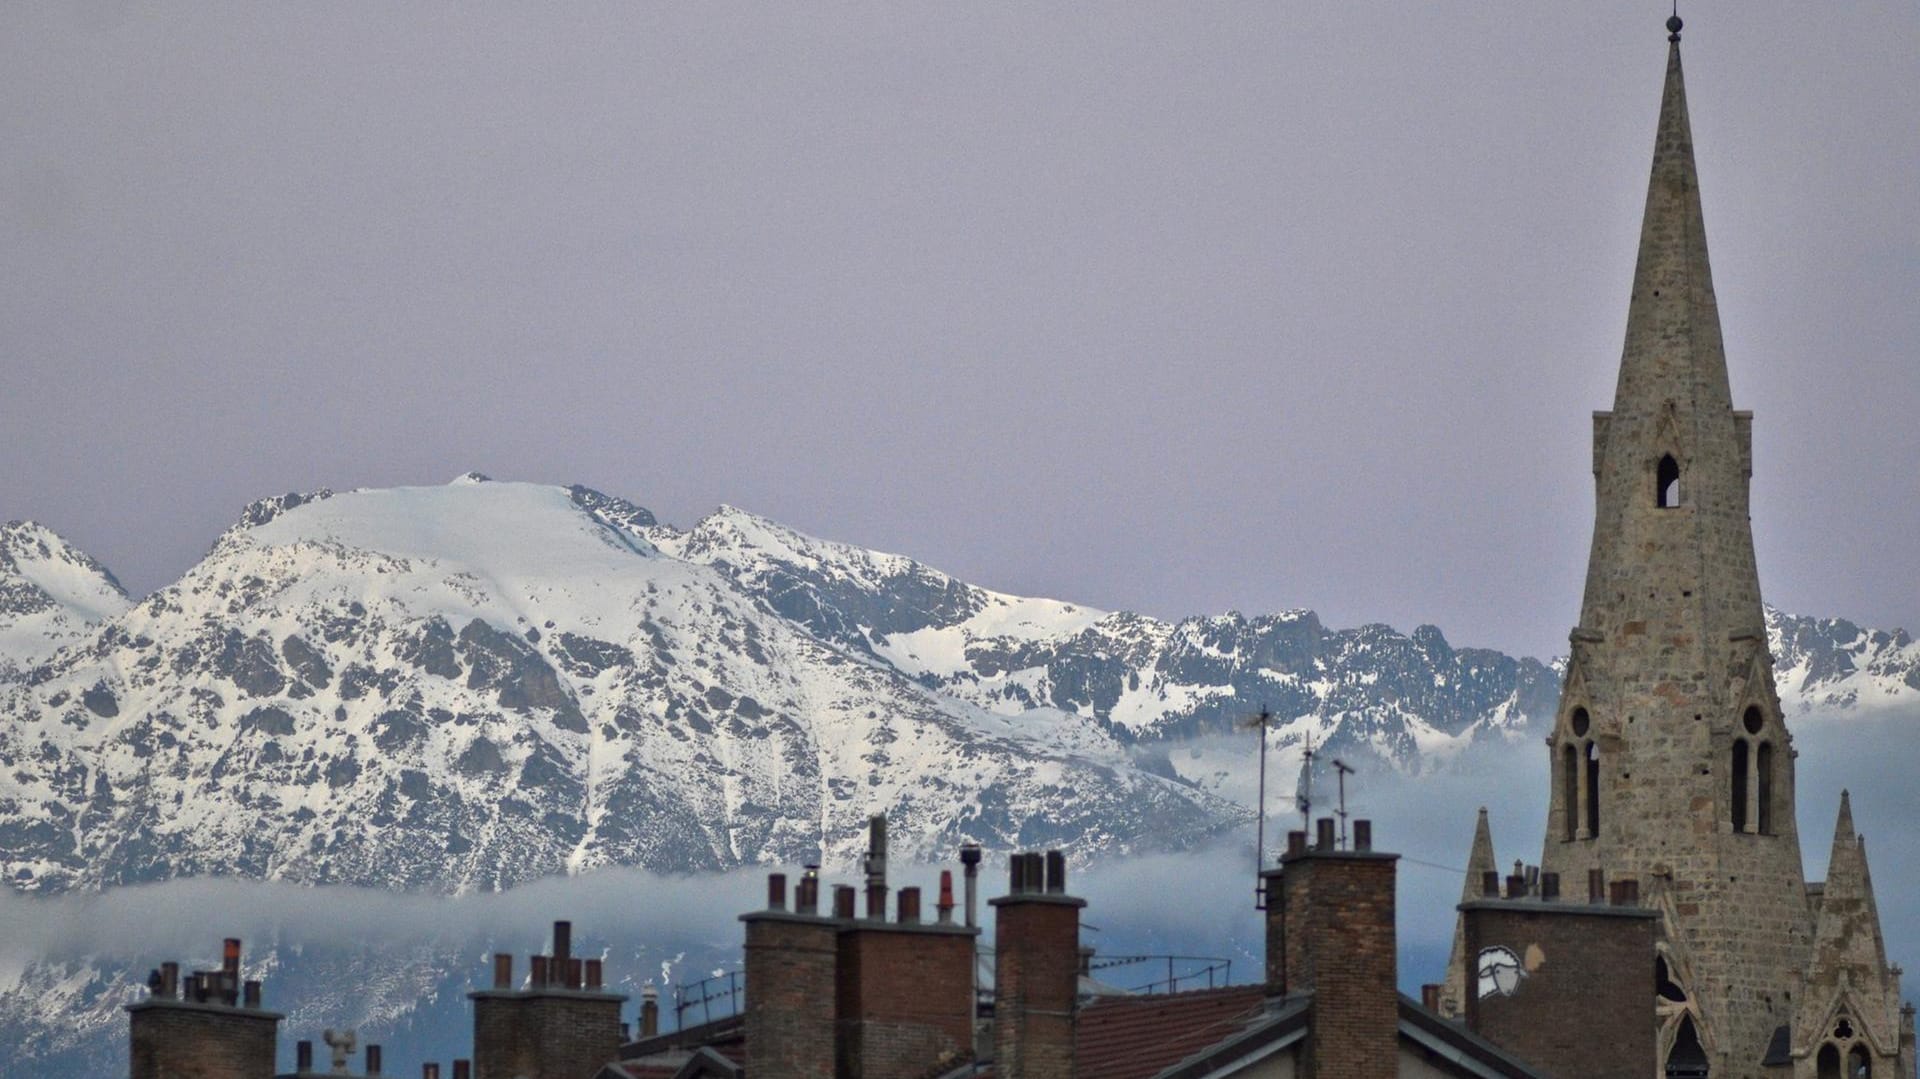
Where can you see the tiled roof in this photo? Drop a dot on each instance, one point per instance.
(1136, 1037)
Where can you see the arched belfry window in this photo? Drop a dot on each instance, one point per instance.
(1763, 786)
(1687, 1060)
(1593, 789)
(1739, 775)
(1828, 1066)
(1666, 483)
(1570, 788)
(1859, 1064)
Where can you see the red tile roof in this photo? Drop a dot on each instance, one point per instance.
(1137, 1037)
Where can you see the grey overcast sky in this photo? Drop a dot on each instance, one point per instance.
(1177, 308)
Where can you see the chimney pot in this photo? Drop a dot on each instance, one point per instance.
(1323, 834)
(945, 905)
(575, 973)
(503, 970)
(1430, 997)
(562, 942)
(1550, 886)
(649, 1012)
(429, 1071)
(806, 899)
(1516, 886)
(537, 971)
(373, 1060)
(1490, 884)
(252, 997)
(1363, 835)
(909, 906)
(776, 891)
(1036, 871)
(595, 972)
(462, 1069)
(843, 900)
(303, 1056)
(1056, 873)
(1596, 886)
(1297, 841)
(1016, 874)
(169, 980)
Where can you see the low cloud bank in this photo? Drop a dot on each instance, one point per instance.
(1195, 902)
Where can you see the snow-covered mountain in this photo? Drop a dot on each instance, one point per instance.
(473, 685)
(51, 595)
(467, 687)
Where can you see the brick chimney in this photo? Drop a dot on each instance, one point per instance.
(904, 987)
(1036, 970)
(1330, 932)
(553, 1029)
(1561, 984)
(203, 1027)
(791, 961)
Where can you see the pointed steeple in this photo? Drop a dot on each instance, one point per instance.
(1847, 975)
(1453, 1000)
(1847, 933)
(1669, 748)
(1673, 321)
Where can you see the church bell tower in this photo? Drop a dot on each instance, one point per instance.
(1670, 761)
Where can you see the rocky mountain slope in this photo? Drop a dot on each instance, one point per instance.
(467, 687)
(51, 595)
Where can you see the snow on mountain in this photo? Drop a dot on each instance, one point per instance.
(472, 685)
(1830, 664)
(1148, 682)
(466, 687)
(51, 595)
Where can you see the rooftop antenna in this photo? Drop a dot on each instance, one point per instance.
(1261, 719)
(1342, 768)
(1303, 790)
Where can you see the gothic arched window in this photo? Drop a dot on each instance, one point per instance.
(1739, 785)
(1763, 786)
(1687, 1060)
(1666, 483)
(1859, 1064)
(1829, 1062)
(1570, 788)
(1593, 790)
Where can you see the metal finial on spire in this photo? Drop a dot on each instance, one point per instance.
(1674, 24)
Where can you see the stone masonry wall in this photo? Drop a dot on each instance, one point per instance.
(544, 1034)
(1577, 1008)
(905, 1000)
(790, 994)
(184, 1040)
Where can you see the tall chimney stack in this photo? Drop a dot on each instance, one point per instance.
(1330, 931)
(1036, 970)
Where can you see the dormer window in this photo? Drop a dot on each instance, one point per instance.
(1666, 483)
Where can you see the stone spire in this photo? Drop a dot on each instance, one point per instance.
(1672, 404)
(1453, 994)
(1850, 1003)
(1671, 764)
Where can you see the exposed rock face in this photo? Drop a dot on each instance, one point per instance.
(468, 686)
